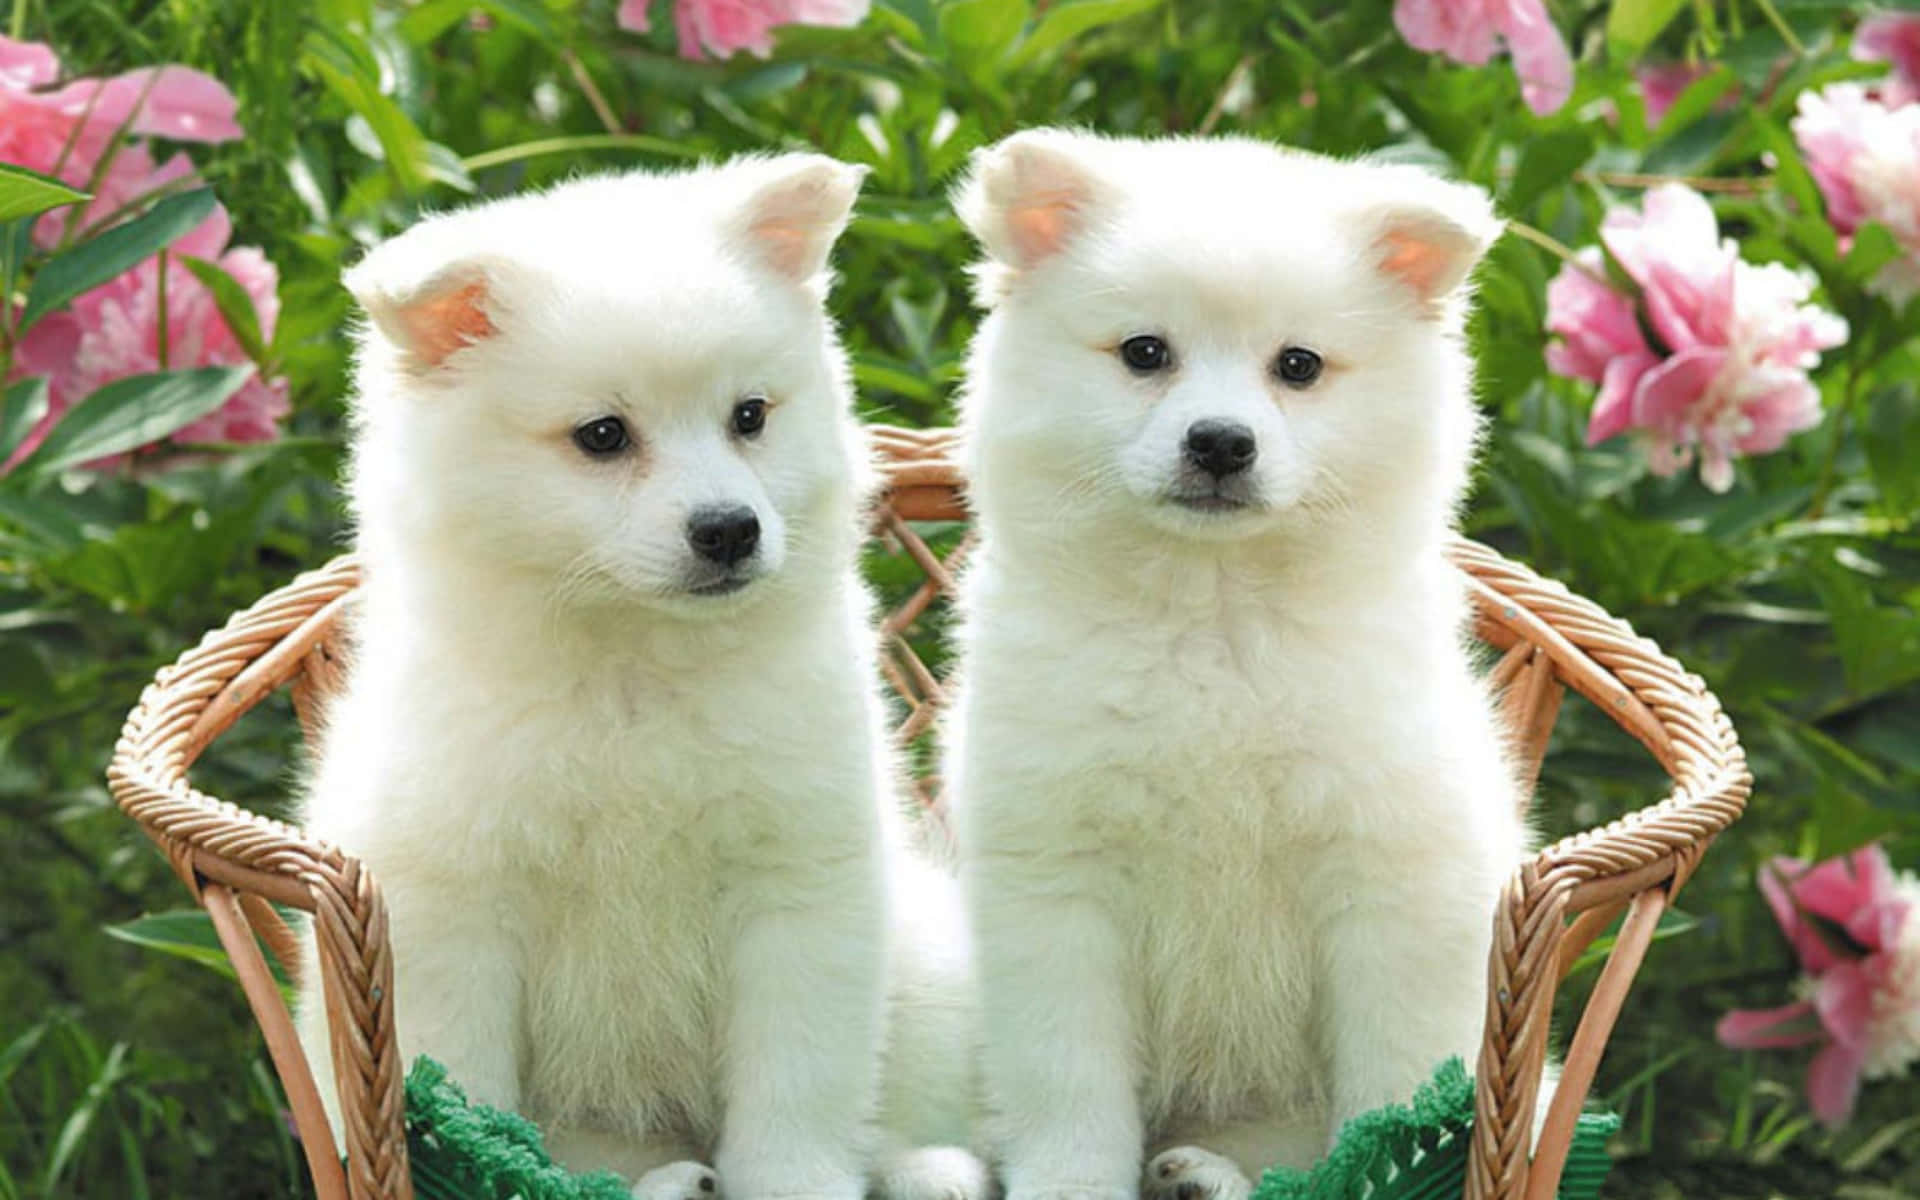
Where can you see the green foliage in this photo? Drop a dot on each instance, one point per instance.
(1796, 595)
(98, 259)
(25, 193)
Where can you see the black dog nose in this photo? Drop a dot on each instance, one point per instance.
(1220, 448)
(723, 535)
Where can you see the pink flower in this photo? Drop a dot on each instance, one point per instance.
(114, 330)
(1853, 925)
(1728, 374)
(1865, 156)
(1662, 83)
(1467, 31)
(1892, 38)
(721, 27)
(65, 132)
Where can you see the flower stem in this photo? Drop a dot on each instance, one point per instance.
(595, 100)
(1824, 488)
(17, 27)
(160, 324)
(1781, 27)
(1544, 240)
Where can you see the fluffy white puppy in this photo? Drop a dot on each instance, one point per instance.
(611, 742)
(1233, 806)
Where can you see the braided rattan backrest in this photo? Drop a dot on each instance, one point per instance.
(1555, 905)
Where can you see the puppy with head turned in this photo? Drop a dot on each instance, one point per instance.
(1233, 805)
(610, 740)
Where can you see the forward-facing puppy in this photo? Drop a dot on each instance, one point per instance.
(1233, 807)
(610, 741)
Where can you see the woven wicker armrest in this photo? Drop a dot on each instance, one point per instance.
(237, 864)
(1559, 902)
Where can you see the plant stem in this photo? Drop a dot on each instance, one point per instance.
(1822, 489)
(1781, 27)
(1219, 105)
(595, 99)
(161, 315)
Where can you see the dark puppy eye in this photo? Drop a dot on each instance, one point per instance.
(602, 437)
(1297, 367)
(749, 416)
(1144, 354)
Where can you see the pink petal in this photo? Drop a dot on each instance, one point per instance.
(1877, 926)
(1540, 55)
(25, 65)
(1662, 83)
(1788, 407)
(1766, 1029)
(1833, 1083)
(1669, 393)
(1463, 32)
(1892, 38)
(1844, 1001)
(1775, 884)
(633, 15)
(1688, 307)
(1839, 886)
(1830, 128)
(170, 101)
(1675, 225)
(1613, 407)
(1596, 323)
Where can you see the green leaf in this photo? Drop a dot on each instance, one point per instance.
(1873, 247)
(133, 412)
(1063, 22)
(1893, 446)
(236, 307)
(1633, 24)
(401, 144)
(186, 933)
(25, 193)
(982, 31)
(1547, 163)
(22, 406)
(100, 258)
(73, 1133)
(24, 677)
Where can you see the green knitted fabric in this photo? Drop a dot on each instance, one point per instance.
(462, 1151)
(1420, 1152)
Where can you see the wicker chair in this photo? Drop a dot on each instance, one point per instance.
(238, 865)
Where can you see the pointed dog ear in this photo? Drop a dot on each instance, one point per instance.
(1431, 237)
(432, 320)
(1027, 197)
(791, 221)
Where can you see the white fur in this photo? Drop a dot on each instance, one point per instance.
(635, 842)
(1233, 806)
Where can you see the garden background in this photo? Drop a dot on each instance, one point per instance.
(1778, 555)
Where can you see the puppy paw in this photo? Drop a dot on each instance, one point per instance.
(935, 1173)
(678, 1181)
(1190, 1173)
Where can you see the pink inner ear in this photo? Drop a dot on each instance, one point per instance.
(1422, 264)
(1041, 225)
(440, 324)
(787, 246)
